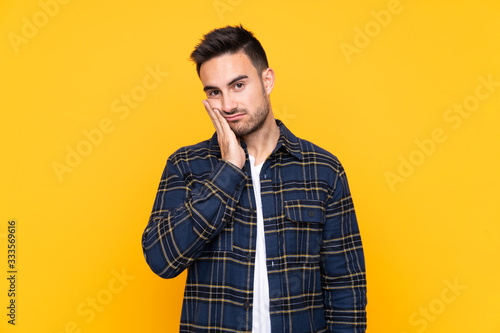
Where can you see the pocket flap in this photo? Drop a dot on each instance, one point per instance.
(305, 211)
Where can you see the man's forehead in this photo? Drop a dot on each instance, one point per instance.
(225, 67)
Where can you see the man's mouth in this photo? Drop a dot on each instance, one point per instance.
(234, 117)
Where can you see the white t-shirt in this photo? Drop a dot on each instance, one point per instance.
(261, 322)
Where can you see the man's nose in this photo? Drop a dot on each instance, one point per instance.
(229, 104)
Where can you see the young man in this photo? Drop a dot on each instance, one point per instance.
(263, 221)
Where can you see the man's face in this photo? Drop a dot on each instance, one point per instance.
(233, 86)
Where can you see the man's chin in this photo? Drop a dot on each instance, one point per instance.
(242, 128)
(238, 128)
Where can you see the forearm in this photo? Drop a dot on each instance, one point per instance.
(343, 265)
(344, 286)
(184, 221)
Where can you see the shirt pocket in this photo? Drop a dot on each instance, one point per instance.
(303, 227)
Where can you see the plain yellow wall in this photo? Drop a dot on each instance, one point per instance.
(96, 95)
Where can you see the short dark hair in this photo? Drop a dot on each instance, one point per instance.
(230, 40)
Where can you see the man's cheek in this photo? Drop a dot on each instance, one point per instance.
(215, 103)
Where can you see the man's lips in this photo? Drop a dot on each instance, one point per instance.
(233, 117)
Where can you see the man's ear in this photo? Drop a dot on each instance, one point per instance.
(268, 80)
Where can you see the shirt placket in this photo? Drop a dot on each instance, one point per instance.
(272, 208)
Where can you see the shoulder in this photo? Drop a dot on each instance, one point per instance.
(196, 158)
(312, 153)
(324, 166)
(188, 154)
(309, 153)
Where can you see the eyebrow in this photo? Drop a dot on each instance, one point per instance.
(241, 77)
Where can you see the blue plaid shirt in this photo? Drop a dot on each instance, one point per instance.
(204, 219)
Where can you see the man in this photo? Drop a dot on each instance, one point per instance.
(263, 221)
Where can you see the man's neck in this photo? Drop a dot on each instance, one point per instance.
(261, 143)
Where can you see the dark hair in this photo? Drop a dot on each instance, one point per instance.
(230, 39)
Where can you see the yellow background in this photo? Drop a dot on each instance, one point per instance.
(436, 225)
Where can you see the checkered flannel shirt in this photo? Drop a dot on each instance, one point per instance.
(204, 219)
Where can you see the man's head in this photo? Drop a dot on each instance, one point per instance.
(230, 40)
(237, 81)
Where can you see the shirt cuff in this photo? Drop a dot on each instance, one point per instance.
(228, 178)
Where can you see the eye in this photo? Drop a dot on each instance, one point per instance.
(239, 85)
(214, 93)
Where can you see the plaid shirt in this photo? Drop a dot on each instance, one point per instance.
(204, 219)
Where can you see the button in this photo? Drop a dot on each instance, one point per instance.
(246, 305)
(311, 213)
(249, 257)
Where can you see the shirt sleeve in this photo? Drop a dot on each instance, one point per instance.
(342, 263)
(184, 220)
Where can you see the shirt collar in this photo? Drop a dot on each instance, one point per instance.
(287, 141)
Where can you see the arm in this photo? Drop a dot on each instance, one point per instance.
(184, 220)
(342, 263)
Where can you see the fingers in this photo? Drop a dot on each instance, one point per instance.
(212, 116)
(224, 125)
(220, 123)
(228, 142)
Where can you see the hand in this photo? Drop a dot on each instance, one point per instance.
(230, 148)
